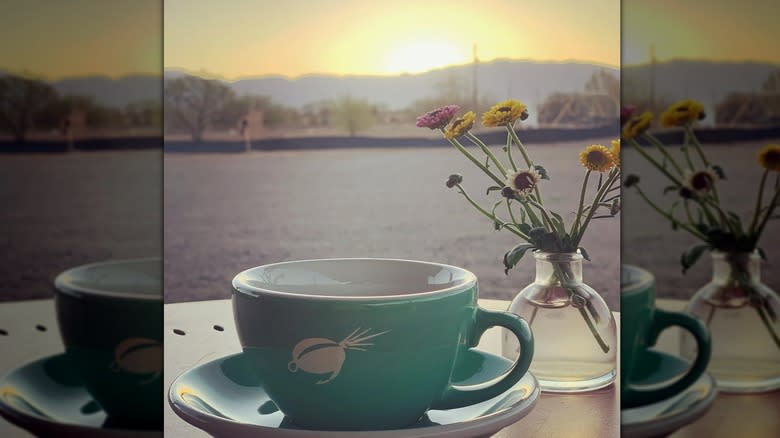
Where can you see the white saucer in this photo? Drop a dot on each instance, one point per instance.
(45, 399)
(223, 399)
(664, 417)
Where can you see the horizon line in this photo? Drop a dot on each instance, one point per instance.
(206, 74)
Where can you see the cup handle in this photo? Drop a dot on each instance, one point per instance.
(661, 322)
(458, 396)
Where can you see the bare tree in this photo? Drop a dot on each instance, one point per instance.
(196, 102)
(603, 82)
(772, 83)
(353, 114)
(20, 100)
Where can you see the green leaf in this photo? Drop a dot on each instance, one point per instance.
(736, 220)
(514, 255)
(718, 171)
(524, 228)
(584, 253)
(492, 189)
(668, 189)
(542, 172)
(692, 254)
(496, 223)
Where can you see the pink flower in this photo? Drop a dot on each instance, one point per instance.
(437, 118)
(625, 113)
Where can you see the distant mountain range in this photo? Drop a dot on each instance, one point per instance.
(526, 80)
(529, 81)
(112, 92)
(705, 81)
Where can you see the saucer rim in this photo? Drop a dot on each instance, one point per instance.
(494, 421)
(673, 422)
(23, 419)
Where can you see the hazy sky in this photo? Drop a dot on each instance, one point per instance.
(294, 37)
(726, 30)
(58, 39)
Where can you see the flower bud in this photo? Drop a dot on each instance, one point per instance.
(454, 180)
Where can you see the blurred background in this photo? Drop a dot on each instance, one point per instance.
(80, 156)
(80, 144)
(724, 56)
(290, 131)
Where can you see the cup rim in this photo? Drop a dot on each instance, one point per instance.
(646, 279)
(64, 282)
(240, 286)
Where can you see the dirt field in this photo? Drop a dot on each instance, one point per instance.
(226, 213)
(63, 210)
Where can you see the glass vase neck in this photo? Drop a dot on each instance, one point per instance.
(725, 265)
(550, 263)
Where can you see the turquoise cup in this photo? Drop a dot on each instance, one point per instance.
(357, 344)
(640, 325)
(110, 318)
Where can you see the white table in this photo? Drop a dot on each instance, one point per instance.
(584, 415)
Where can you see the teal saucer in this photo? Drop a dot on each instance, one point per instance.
(45, 398)
(223, 399)
(665, 416)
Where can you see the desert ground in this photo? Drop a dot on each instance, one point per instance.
(64, 210)
(227, 212)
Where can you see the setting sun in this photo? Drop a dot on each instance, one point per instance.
(416, 57)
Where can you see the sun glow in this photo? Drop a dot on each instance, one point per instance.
(420, 56)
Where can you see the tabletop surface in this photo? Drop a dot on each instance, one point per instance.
(583, 415)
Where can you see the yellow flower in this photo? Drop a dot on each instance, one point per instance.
(769, 157)
(683, 112)
(615, 151)
(597, 157)
(523, 181)
(460, 126)
(637, 125)
(505, 113)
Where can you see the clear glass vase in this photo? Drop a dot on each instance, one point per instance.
(575, 335)
(742, 316)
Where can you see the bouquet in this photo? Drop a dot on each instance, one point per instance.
(517, 183)
(694, 179)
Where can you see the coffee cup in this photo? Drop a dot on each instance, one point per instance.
(641, 324)
(356, 344)
(110, 318)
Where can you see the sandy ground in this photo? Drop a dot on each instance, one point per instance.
(226, 213)
(63, 210)
(650, 242)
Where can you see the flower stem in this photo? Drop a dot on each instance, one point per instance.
(613, 174)
(768, 214)
(528, 161)
(759, 199)
(581, 302)
(700, 152)
(487, 152)
(475, 161)
(490, 215)
(697, 144)
(655, 163)
(669, 217)
(684, 148)
(665, 152)
(509, 209)
(509, 152)
(576, 222)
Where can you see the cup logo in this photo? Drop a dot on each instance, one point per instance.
(138, 356)
(324, 356)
